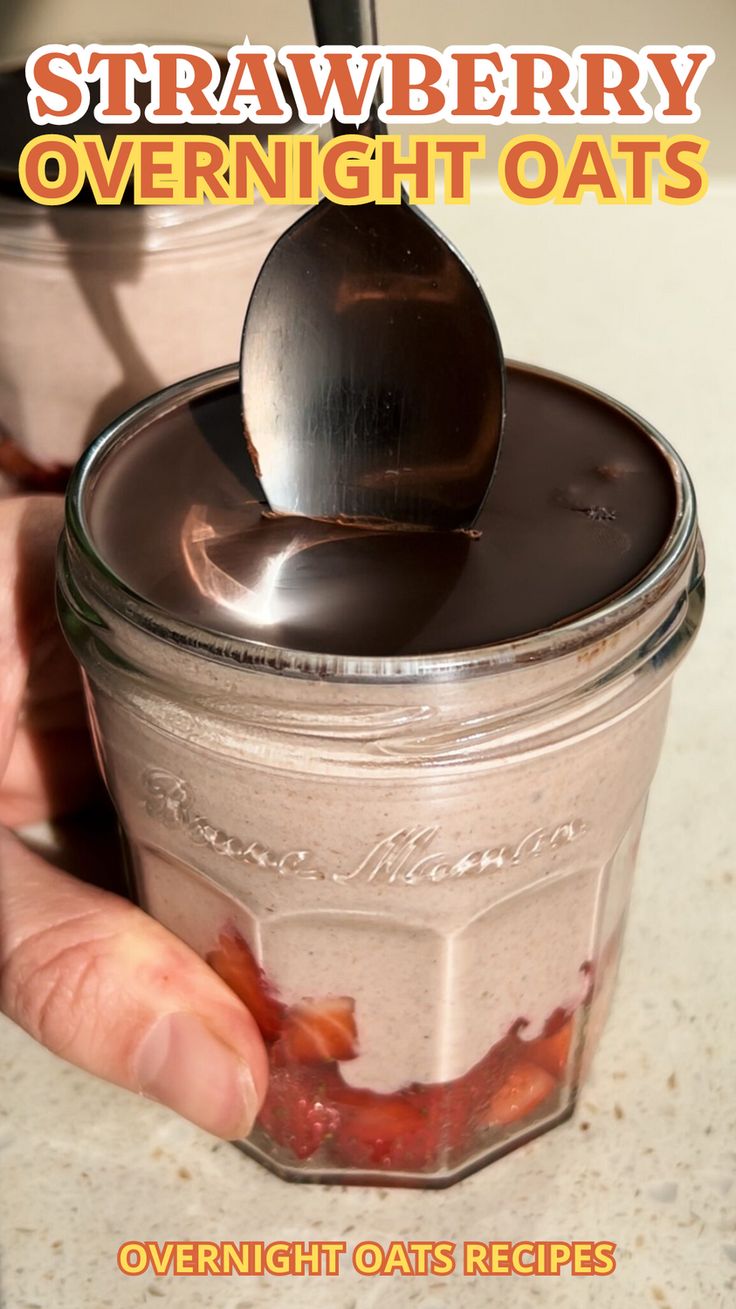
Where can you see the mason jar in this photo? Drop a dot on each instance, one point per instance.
(414, 870)
(101, 306)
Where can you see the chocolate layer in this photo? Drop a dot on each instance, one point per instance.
(581, 503)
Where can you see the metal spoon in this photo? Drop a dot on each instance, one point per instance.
(371, 369)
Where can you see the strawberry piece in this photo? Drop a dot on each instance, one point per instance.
(556, 1020)
(551, 1052)
(526, 1087)
(297, 1112)
(451, 1110)
(320, 1031)
(491, 1071)
(386, 1131)
(28, 475)
(464, 1100)
(233, 960)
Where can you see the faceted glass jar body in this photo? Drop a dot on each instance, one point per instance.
(414, 872)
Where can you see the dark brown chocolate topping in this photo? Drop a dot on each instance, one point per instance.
(581, 503)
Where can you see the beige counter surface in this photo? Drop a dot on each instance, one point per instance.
(640, 302)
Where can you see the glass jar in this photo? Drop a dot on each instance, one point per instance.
(99, 307)
(415, 871)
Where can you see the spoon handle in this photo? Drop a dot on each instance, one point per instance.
(348, 22)
(344, 22)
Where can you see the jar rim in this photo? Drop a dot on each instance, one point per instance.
(566, 637)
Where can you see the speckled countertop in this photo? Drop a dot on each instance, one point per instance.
(638, 301)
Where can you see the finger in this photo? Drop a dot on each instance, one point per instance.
(13, 655)
(104, 986)
(48, 774)
(46, 762)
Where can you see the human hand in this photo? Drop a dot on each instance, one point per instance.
(85, 972)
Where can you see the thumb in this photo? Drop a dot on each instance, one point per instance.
(101, 984)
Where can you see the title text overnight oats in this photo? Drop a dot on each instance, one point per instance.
(390, 785)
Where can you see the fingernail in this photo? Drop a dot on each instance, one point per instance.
(182, 1064)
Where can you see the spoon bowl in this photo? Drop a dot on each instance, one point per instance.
(371, 370)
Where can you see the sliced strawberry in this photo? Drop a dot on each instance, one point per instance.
(27, 473)
(233, 960)
(451, 1113)
(297, 1112)
(462, 1102)
(551, 1052)
(386, 1131)
(556, 1020)
(318, 1031)
(526, 1086)
(491, 1071)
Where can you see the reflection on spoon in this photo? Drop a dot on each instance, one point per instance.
(245, 570)
(318, 586)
